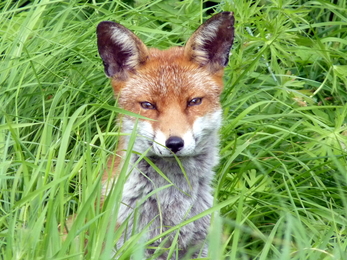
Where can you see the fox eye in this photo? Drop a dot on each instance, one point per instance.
(147, 105)
(194, 102)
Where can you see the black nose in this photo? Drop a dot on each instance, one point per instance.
(174, 143)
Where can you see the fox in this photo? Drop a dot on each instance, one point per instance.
(176, 92)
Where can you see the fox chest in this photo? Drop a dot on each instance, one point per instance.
(163, 201)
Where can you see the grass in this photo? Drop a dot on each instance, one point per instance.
(281, 184)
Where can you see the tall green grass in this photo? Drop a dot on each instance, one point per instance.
(281, 184)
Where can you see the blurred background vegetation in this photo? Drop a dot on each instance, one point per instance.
(281, 184)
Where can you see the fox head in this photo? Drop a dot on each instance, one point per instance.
(177, 89)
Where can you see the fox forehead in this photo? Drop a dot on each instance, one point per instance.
(168, 77)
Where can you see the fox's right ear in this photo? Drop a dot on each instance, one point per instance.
(120, 49)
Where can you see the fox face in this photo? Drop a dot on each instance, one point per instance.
(176, 89)
(179, 97)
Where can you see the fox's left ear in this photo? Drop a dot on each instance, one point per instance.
(211, 42)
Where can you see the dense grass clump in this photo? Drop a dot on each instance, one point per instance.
(281, 184)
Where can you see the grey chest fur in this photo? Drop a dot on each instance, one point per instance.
(168, 201)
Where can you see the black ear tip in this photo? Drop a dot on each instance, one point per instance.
(105, 25)
(223, 17)
(225, 13)
(229, 16)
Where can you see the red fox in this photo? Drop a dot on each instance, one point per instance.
(178, 91)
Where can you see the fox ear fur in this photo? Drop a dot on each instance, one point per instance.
(211, 42)
(120, 49)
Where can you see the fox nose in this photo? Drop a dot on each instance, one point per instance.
(174, 143)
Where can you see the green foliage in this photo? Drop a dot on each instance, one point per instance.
(281, 184)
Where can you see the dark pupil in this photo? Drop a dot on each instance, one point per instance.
(147, 105)
(194, 101)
